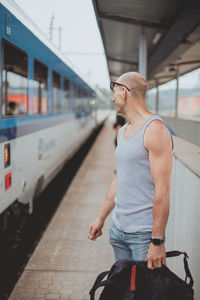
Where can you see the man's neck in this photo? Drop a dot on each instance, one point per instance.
(137, 117)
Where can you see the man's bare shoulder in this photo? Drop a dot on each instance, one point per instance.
(157, 136)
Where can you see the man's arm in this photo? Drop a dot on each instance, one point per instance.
(95, 229)
(158, 142)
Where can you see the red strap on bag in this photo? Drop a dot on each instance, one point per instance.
(133, 274)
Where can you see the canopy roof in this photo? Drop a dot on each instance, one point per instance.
(174, 23)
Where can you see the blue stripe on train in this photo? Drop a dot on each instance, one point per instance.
(20, 128)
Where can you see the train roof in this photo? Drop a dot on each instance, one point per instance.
(174, 23)
(16, 10)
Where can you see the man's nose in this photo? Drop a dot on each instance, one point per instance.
(113, 99)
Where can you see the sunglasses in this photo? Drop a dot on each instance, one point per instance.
(112, 84)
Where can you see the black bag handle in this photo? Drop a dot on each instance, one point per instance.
(98, 283)
(187, 270)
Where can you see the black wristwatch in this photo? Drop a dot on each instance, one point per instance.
(157, 241)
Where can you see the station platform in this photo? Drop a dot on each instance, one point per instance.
(65, 262)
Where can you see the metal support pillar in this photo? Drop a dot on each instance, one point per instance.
(157, 97)
(177, 88)
(142, 67)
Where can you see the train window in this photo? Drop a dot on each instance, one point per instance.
(40, 87)
(14, 81)
(66, 99)
(56, 93)
(73, 95)
(79, 92)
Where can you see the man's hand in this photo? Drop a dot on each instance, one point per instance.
(156, 256)
(95, 229)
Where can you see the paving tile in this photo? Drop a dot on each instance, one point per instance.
(71, 255)
(71, 230)
(77, 211)
(69, 285)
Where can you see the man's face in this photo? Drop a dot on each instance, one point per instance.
(118, 99)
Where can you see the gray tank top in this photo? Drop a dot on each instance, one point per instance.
(133, 211)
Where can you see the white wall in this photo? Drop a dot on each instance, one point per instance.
(183, 229)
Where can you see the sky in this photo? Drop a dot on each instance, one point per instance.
(81, 41)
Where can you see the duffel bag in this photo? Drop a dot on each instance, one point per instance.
(134, 281)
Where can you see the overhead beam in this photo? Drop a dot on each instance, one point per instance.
(123, 19)
(163, 77)
(189, 62)
(124, 61)
(176, 65)
(184, 25)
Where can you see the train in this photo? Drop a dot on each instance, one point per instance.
(48, 109)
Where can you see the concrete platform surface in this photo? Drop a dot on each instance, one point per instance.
(65, 263)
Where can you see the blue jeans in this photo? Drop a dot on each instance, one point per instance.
(131, 246)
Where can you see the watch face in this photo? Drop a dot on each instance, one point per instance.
(157, 241)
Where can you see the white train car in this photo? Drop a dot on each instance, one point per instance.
(47, 109)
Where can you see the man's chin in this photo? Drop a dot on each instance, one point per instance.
(119, 110)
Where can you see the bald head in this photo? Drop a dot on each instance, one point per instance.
(135, 82)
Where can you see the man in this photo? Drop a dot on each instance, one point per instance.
(140, 190)
(120, 121)
(11, 108)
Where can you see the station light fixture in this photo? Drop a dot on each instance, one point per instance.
(156, 37)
